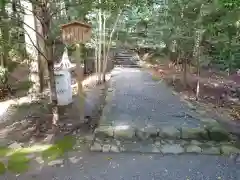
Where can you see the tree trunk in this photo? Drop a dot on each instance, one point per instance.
(46, 23)
(105, 59)
(5, 34)
(40, 58)
(100, 46)
(52, 85)
(198, 79)
(109, 42)
(96, 58)
(53, 96)
(197, 52)
(184, 62)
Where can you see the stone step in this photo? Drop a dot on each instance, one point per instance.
(127, 56)
(122, 59)
(213, 132)
(166, 140)
(166, 146)
(128, 66)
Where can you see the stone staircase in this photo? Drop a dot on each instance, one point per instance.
(126, 59)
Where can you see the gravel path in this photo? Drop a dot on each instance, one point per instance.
(138, 100)
(108, 166)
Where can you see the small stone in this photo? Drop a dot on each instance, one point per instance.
(151, 131)
(56, 162)
(128, 133)
(169, 141)
(172, 149)
(155, 150)
(117, 142)
(106, 148)
(89, 138)
(104, 131)
(228, 150)
(211, 143)
(147, 132)
(96, 147)
(157, 143)
(15, 145)
(174, 93)
(218, 134)
(39, 160)
(195, 142)
(169, 132)
(184, 142)
(194, 133)
(110, 90)
(141, 135)
(211, 150)
(114, 149)
(193, 148)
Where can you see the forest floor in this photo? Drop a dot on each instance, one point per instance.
(21, 118)
(219, 92)
(25, 127)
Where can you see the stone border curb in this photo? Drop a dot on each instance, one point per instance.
(166, 147)
(211, 131)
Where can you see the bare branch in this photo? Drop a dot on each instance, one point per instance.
(32, 29)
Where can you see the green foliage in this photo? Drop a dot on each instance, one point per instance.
(18, 160)
(176, 23)
(59, 148)
(2, 168)
(18, 163)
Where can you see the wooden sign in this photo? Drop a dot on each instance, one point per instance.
(76, 32)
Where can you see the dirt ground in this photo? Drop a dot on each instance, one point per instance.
(19, 122)
(218, 91)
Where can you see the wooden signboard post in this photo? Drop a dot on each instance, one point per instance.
(77, 33)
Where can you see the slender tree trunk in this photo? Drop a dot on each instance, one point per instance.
(5, 34)
(184, 72)
(41, 46)
(105, 59)
(52, 85)
(96, 58)
(198, 79)
(198, 75)
(197, 52)
(48, 53)
(109, 43)
(231, 57)
(100, 46)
